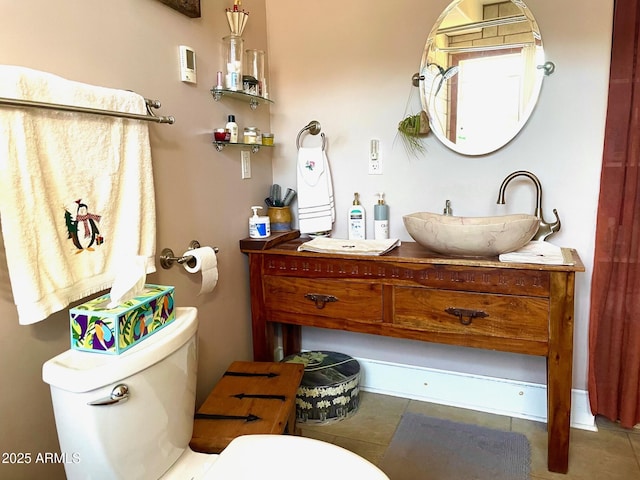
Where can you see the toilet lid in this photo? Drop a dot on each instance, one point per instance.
(287, 457)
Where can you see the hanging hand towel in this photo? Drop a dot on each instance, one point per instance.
(316, 208)
(76, 190)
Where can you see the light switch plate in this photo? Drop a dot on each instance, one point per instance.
(245, 160)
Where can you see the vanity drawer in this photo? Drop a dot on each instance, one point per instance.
(466, 313)
(339, 299)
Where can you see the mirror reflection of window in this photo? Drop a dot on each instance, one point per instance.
(489, 96)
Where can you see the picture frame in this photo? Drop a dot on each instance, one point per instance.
(190, 8)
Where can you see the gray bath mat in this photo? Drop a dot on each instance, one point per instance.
(426, 448)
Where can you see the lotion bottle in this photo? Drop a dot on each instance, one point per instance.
(381, 219)
(259, 226)
(357, 219)
(232, 127)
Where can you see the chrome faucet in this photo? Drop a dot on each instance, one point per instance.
(544, 229)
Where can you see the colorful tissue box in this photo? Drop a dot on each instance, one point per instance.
(96, 328)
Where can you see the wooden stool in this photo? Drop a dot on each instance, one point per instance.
(250, 398)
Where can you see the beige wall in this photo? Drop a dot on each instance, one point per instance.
(133, 44)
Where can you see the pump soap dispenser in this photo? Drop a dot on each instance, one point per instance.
(259, 227)
(381, 219)
(356, 220)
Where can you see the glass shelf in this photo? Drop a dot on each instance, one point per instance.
(252, 100)
(255, 147)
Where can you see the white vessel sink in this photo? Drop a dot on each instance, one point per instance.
(471, 236)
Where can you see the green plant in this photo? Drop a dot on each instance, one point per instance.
(411, 131)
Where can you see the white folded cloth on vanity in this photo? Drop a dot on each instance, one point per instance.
(316, 207)
(350, 247)
(540, 252)
(76, 190)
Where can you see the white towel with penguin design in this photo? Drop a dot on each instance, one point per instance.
(76, 190)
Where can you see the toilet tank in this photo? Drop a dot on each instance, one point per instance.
(138, 437)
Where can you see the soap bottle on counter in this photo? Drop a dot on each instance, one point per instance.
(357, 223)
(381, 219)
(259, 226)
(232, 127)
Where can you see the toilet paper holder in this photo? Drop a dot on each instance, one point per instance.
(167, 257)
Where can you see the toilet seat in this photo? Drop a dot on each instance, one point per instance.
(274, 457)
(287, 457)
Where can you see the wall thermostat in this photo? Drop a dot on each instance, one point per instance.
(187, 64)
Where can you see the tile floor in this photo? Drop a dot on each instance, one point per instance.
(611, 453)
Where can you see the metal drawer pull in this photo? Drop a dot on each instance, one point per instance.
(320, 299)
(120, 393)
(465, 315)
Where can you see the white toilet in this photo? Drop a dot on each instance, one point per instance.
(131, 417)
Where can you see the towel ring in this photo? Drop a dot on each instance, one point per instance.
(314, 128)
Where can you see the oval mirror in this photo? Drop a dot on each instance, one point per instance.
(481, 74)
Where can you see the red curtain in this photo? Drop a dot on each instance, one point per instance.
(614, 332)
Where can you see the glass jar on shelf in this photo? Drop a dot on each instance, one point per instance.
(233, 55)
(267, 139)
(252, 136)
(254, 69)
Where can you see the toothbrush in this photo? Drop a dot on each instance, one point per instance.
(288, 197)
(275, 195)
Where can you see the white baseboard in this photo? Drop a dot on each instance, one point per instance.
(475, 392)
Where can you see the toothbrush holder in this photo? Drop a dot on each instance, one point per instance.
(280, 218)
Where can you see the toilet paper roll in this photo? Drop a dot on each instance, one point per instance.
(207, 263)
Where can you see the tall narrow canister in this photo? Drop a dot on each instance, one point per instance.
(254, 67)
(233, 51)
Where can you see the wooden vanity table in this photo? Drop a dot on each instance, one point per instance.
(415, 294)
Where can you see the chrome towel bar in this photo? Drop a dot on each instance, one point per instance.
(150, 117)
